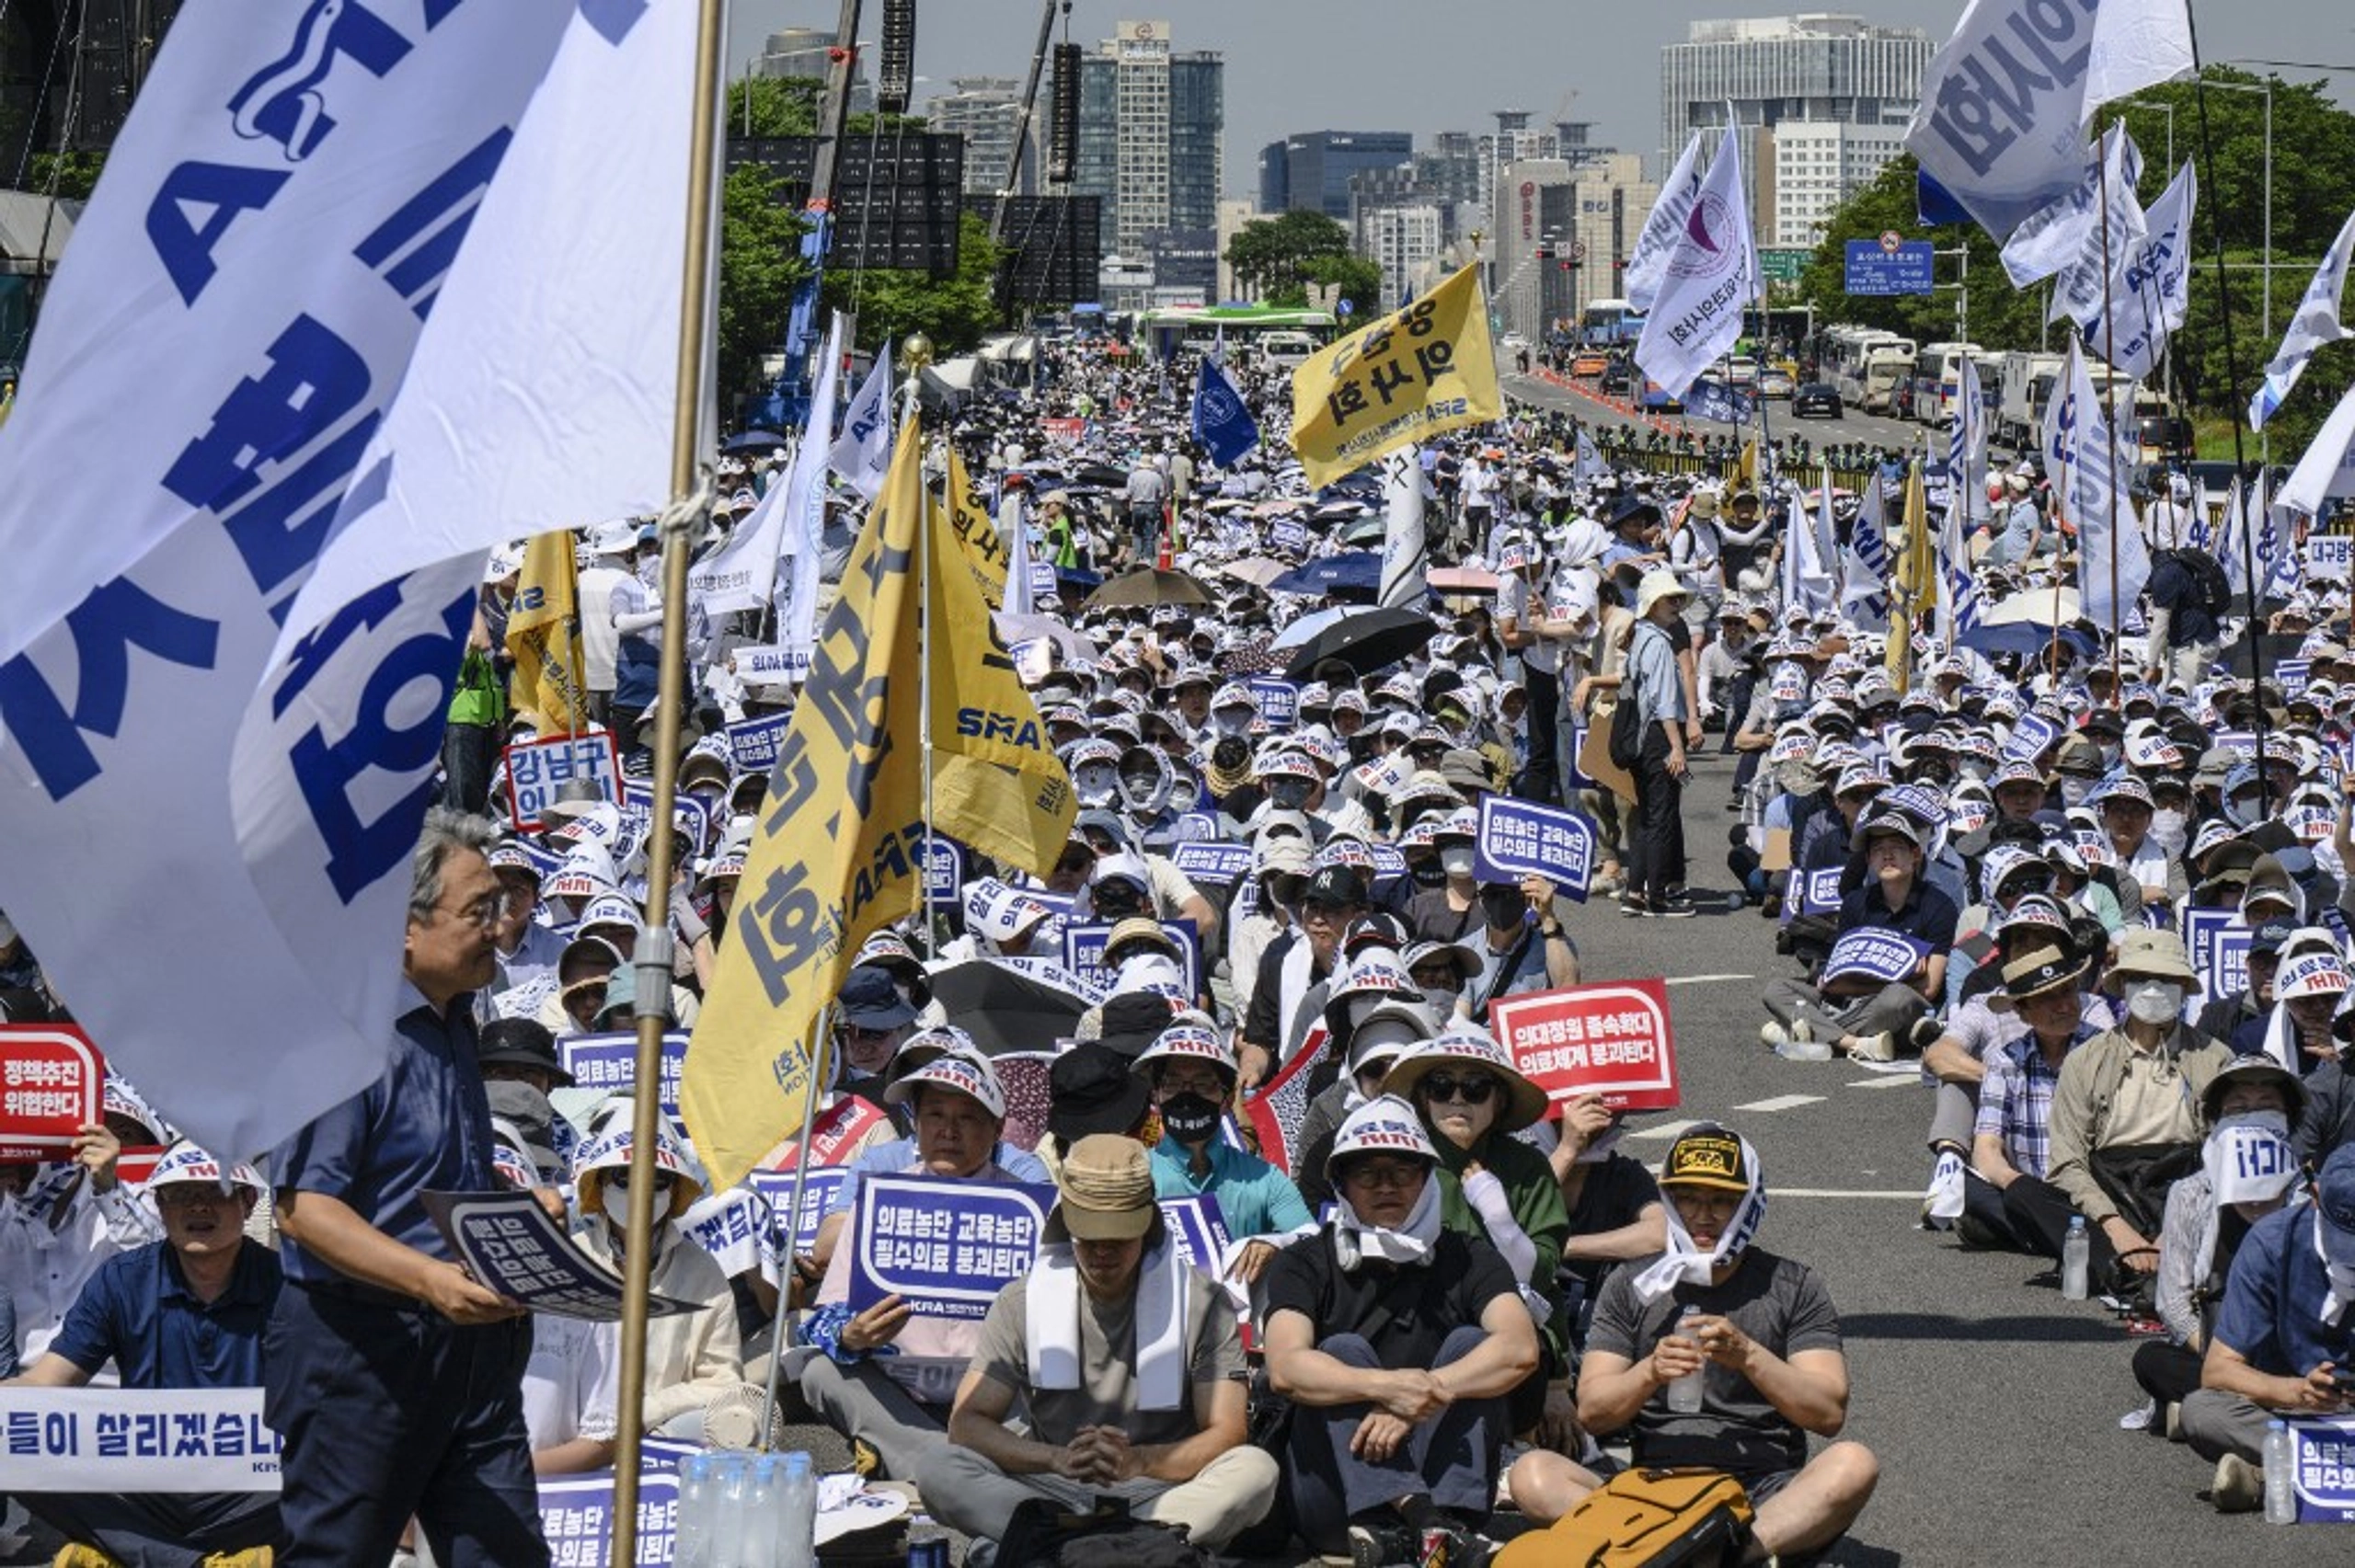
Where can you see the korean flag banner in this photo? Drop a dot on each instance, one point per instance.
(293, 216)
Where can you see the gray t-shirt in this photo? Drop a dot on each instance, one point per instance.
(1777, 1301)
(1108, 1355)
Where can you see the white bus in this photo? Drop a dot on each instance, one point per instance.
(1867, 366)
(1938, 379)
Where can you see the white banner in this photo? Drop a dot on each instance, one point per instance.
(2151, 294)
(1707, 278)
(2082, 457)
(2104, 244)
(2327, 470)
(229, 333)
(2064, 232)
(1967, 443)
(742, 576)
(2314, 325)
(1402, 537)
(2000, 124)
(862, 454)
(2136, 44)
(130, 1440)
(1663, 228)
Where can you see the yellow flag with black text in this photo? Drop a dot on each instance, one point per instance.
(1423, 369)
(1913, 579)
(839, 851)
(975, 535)
(544, 635)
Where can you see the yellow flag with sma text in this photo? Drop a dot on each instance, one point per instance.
(838, 852)
(544, 635)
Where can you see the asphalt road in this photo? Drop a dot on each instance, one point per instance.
(1581, 398)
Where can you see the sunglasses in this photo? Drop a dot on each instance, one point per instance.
(1473, 1090)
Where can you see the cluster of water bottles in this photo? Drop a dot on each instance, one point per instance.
(747, 1511)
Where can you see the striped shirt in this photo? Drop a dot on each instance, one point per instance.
(2016, 1101)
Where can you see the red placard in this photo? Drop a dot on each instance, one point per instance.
(52, 1082)
(1612, 1040)
(136, 1163)
(1067, 430)
(840, 1127)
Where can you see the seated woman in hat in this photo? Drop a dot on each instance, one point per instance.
(1129, 1368)
(1397, 1338)
(884, 1376)
(1193, 1075)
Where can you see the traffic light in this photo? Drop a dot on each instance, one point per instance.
(895, 73)
(1544, 253)
(1062, 120)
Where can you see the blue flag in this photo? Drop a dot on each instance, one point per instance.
(1221, 423)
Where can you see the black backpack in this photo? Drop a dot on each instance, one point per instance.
(2211, 588)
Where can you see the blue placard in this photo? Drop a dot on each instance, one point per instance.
(819, 1188)
(1198, 1229)
(2030, 735)
(2323, 1462)
(1290, 535)
(2293, 674)
(944, 872)
(609, 1062)
(1578, 779)
(947, 1247)
(1518, 838)
(576, 1516)
(1279, 700)
(1872, 953)
(1389, 860)
(1084, 954)
(753, 743)
(1205, 862)
(1044, 586)
(1907, 270)
(1814, 892)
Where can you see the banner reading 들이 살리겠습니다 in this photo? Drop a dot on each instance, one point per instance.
(1425, 367)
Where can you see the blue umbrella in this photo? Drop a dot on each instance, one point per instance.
(2022, 638)
(753, 440)
(1351, 571)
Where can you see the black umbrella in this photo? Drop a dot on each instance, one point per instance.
(1365, 640)
(1006, 1010)
(754, 441)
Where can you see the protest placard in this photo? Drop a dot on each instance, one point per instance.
(1279, 700)
(1522, 838)
(538, 770)
(609, 1062)
(507, 1242)
(130, 1440)
(1206, 861)
(1084, 952)
(2217, 945)
(943, 1245)
(838, 1130)
(577, 1518)
(1198, 1229)
(1873, 953)
(818, 1189)
(52, 1084)
(753, 743)
(2322, 1469)
(1612, 1040)
(772, 664)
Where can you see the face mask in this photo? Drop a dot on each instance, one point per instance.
(1191, 1119)
(1231, 721)
(2154, 1002)
(1428, 874)
(1290, 794)
(2169, 831)
(1456, 862)
(1441, 999)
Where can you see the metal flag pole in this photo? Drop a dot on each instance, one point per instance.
(821, 1072)
(652, 957)
(2110, 435)
(915, 353)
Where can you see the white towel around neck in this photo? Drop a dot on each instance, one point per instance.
(1050, 1332)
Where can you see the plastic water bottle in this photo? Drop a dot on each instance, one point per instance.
(2281, 1475)
(2076, 1257)
(1684, 1393)
(697, 1496)
(733, 1482)
(763, 1497)
(797, 1514)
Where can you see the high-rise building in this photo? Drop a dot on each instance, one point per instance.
(1816, 66)
(1403, 240)
(1152, 132)
(1806, 168)
(1318, 165)
(983, 110)
(1558, 231)
(807, 53)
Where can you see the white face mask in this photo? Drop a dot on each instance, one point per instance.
(2170, 831)
(2154, 1002)
(1456, 862)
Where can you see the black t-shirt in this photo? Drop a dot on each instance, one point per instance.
(1775, 1300)
(1613, 1197)
(1410, 1311)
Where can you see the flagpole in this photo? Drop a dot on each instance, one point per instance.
(655, 948)
(820, 1070)
(2110, 435)
(915, 353)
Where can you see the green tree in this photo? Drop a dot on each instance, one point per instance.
(1276, 258)
(953, 312)
(76, 175)
(774, 106)
(760, 266)
(1356, 279)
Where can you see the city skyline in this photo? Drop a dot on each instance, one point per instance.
(1299, 65)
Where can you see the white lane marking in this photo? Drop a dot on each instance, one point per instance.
(1884, 1082)
(1910, 1195)
(1782, 1103)
(1704, 979)
(1665, 1129)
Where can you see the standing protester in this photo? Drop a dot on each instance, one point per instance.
(1656, 846)
(394, 1377)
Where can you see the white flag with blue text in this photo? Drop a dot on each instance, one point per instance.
(232, 329)
(1967, 444)
(2107, 234)
(1657, 240)
(2151, 294)
(2315, 326)
(863, 452)
(2136, 44)
(1711, 273)
(784, 527)
(2326, 472)
(2081, 456)
(2000, 121)
(2066, 233)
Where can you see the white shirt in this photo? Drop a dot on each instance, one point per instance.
(598, 638)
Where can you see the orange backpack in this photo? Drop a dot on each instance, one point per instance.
(1645, 1519)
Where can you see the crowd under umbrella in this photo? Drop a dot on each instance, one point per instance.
(1004, 1009)
(1350, 573)
(1367, 640)
(1145, 586)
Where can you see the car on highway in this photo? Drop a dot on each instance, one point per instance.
(1617, 377)
(1776, 384)
(1816, 400)
(1589, 364)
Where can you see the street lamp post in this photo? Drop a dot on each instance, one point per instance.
(2264, 441)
